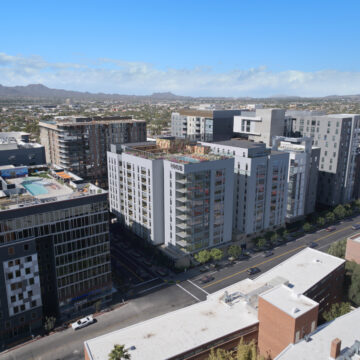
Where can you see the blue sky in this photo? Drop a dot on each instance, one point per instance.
(217, 48)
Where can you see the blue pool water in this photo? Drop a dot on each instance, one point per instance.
(34, 187)
(188, 159)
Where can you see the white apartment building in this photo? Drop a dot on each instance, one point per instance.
(260, 184)
(302, 176)
(261, 125)
(172, 192)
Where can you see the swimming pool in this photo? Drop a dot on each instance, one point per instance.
(34, 187)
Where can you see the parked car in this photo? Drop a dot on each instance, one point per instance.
(356, 227)
(207, 278)
(330, 228)
(204, 268)
(267, 253)
(312, 244)
(83, 322)
(253, 270)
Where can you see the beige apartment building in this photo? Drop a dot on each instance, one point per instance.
(79, 144)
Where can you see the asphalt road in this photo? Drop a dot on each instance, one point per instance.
(157, 297)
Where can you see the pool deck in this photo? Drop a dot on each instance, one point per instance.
(53, 187)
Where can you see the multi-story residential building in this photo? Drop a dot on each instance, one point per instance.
(54, 250)
(289, 298)
(204, 125)
(337, 136)
(260, 184)
(172, 192)
(17, 150)
(79, 144)
(302, 176)
(261, 125)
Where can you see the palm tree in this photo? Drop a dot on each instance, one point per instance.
(119, 352)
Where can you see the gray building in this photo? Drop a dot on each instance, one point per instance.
(204, 125)
(17, 150)
(260, 185)
(337, 136)
(302, 177)
(261, 125)
(54, 251)
(79, 144)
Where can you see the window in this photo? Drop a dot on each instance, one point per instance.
(31, 281)
(11, 250)
(17, 273)
(28, 259)
(10, 276)
(16, 309)
(26, 247)
(22, 307)
(27, 271)
(33, 303)
(13, 298)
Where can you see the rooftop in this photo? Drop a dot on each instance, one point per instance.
(176, 332)
(225, 311)
(289, 301)
(241, 143)
(345, 327)
(36, 190)
(355, 238)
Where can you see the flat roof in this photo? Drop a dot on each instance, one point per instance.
(355, 238)
(176, 332)
(345, 327)
(188, 328)
(289, 301)
(304, 269)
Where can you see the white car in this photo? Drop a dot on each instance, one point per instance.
(82, 322)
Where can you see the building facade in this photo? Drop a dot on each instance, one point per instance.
(204, 125)
(302, 177)
(172, 192)
(17, 150)
(261, 125)
(80, 144)
(260, 184)
(55, 253)
(337, 136)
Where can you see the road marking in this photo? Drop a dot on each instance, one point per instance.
(200, 288)
(263, 262)
(146, 282)
(275, 257)
(152, 288)
(188, 292)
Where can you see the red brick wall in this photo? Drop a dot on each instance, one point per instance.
(277, 329)
(353, 251)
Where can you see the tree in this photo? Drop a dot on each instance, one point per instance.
(261, 242)
(234, 251)
(338, 248)
(274, 238)
(203, 256)
(330, 217)
(307, 227)
(320, 221)
(340, 212)
(220, 354)
(337, 310)
(49, 323)
(119, 352)
(354, 289)
(216, 254)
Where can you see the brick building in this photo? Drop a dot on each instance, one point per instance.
(353, 248)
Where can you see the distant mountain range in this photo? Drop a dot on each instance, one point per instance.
(42, 91)
(39, 91)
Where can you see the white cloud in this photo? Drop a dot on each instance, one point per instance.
(117, 76)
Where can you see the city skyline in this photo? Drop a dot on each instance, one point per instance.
(196, 49)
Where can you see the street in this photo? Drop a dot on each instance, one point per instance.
(160, 295)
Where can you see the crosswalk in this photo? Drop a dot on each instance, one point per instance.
(193, 290)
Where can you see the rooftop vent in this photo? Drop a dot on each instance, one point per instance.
(295, 310)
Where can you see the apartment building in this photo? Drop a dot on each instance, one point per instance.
(261, 125)
(54, 250)
(250, 309)
(79, 144)
(16, 149)
(172, 192)
(302, 175)
(204, 125)
(337, 135)
(260, 184)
